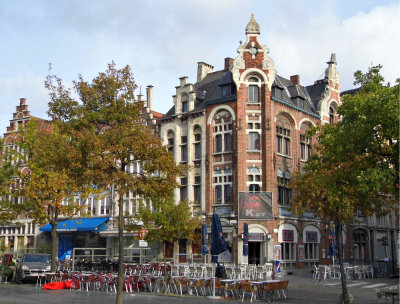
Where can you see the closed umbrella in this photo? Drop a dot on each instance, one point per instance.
(217, 238)
(204, 249)
(246, 239)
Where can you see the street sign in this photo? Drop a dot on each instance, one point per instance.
(143, 243)
(141, 234)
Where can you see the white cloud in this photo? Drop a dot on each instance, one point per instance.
(21, 85)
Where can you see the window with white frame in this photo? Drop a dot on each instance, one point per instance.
(171, 141)
(254, 179)
(253, 90)
(183, 189)
(223, 186)
(92, 205)
(288, 251)
(222, 128)
(105, 205)
(254, 131)
(197, 189)
(184, 149)
(197, 143)
(311, 251)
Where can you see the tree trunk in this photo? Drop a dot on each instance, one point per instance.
(345, 294)
(54, 247)
(120, 280)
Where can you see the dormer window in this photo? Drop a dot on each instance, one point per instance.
(277, 92)
(185, 103)
(253, 90)
(300, 102)
(226, 90)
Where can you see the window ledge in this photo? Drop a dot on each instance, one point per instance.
(253, 151)
(283, 155)
(221, 153)
(254, 103)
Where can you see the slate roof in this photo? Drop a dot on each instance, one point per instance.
(210, 88)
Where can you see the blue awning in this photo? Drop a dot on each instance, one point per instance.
(80, 224)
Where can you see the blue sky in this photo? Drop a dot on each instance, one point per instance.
(163, 40)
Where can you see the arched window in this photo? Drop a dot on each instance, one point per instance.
(171, 141)
(331, 115)
(253, 90)
(222, 128)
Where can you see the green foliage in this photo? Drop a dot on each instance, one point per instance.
(168, 222)
(355, 167)
(107, 136)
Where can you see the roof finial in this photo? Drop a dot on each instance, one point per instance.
(333, 59)
(252, 27)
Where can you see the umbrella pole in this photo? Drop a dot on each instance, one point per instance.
(213, 296)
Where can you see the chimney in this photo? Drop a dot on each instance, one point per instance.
(203, 69)
(22, 101)
(149, 96)
(228, 63)
(295, 79)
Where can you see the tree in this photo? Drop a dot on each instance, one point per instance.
(355, 167)
(105, 126)
(168, 222)
(49, 189)
(9, 176)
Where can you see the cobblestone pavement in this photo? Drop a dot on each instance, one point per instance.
(302, 290)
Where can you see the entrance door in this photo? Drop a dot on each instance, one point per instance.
(65, 245)
(182, 251)
(254, 253)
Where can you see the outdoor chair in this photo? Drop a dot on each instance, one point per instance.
(41, 280)
(208, 285)
(198, 285)
(247, 288)
(358, 272)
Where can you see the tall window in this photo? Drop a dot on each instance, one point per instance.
(183, 189)
(171, 141)
(284, 192)
(331, 115)
(92, 204)
(288, 251)
(197, 188)
(197, 143)
(305, 147)
(254, 179)
(253, 90)
(254, 135)
(223, 186)
(105, 205)
(183, 148)
(223, 132)
(283, 140)
(185, 104)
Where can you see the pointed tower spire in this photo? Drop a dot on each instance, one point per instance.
(333, 59)
(252, 27)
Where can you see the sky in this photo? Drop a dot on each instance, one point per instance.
(163, 40)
